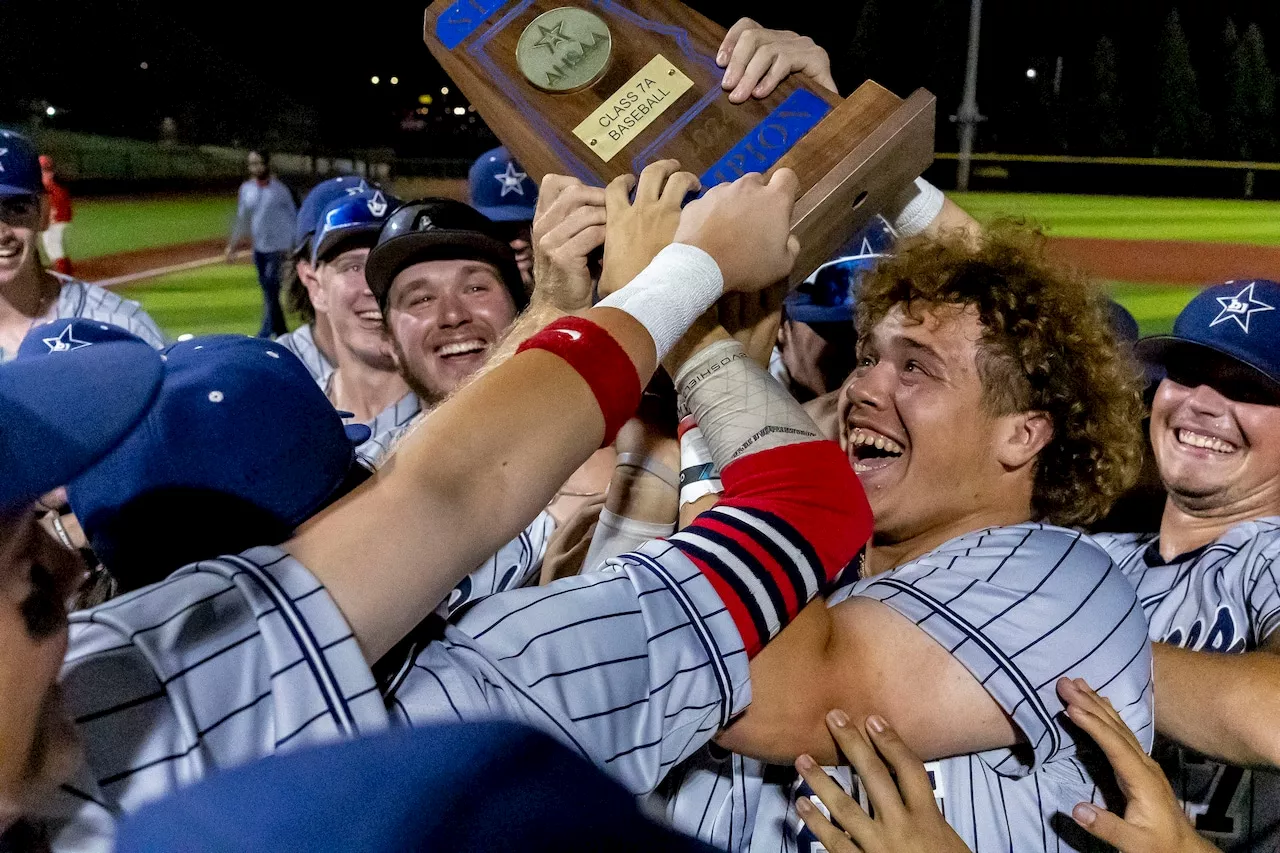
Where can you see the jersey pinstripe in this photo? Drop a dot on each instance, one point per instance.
(1019, 607)
(1223, 597)
(302, 343)
(78, 299)
(636, 666)
(515, 565)
(385, 426)
(224, 662)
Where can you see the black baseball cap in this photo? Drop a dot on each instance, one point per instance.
(439, 229)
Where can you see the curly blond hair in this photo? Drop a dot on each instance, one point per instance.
(1047, 346)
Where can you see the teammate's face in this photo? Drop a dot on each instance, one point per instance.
(257, 166)
(913, 424)
(445, 318)
(21, 219)
(344, 297)
(38, 748)
(1216, 454)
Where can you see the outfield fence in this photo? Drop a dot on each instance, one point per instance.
(1144, 176)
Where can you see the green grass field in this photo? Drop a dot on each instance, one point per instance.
(222, 298)
(108, 226)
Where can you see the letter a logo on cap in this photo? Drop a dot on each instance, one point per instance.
(378, 204)
(1240, 308)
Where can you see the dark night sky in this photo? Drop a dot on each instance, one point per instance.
(224, 69)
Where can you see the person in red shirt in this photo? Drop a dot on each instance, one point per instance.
(60, 218)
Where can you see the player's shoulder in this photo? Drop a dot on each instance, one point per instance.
(1258, 537)
(92, 302)
(1123, 546)
(1019, 554)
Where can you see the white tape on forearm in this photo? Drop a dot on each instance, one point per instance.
(679, 284)
(699, 476)
(616, 535)
(915, 208)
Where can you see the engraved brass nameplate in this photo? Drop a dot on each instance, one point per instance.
(626, 113)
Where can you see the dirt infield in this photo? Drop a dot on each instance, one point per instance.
(107, 267)
(1167, 261)
(1156, 261)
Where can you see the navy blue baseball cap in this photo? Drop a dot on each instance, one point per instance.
(1123, 323)
(831, 292)
(1228, 333)
(64, 408)
(19, 165)
(438, 229)
(500, 189)
(234, 416)
(462, 788)
(69, 334)
(319, 197)
(351, 216)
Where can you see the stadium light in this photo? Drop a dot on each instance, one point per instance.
(374, 80)
(143, 66)
(50, 111)
(459, 111)
(425, 100)
(395, 80)
(444, 90)
(1031, 74)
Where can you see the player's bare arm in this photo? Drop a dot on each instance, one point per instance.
(466, 463)
(1225, 706)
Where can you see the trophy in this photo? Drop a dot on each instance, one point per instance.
(601, 88)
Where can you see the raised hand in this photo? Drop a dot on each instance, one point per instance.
(755, 60)
(638, 231)
(906, 819)
(1153, 820)
(746, 227)
(568, 225)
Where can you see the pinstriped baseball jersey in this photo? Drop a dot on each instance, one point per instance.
(302, 343)
(391, 421)
(516, 564)
(636, 666)
(78, 299)
(1019, 607)
(224, 662)
(1223, 597)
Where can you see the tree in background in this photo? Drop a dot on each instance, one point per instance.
(1102, 130)
(1179, 125)
(1250, 111)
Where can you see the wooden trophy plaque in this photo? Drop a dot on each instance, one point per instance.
(599, 88)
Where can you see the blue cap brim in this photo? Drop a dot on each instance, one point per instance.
(818, 313)
(7, 190)
(1158, 350)
(64, 412)
(507, 213)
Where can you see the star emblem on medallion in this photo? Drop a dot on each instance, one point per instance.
(512, 181)
(1240, 308)
(551, 37)
(66, 341)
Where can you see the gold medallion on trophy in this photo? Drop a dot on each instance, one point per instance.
(564, 50)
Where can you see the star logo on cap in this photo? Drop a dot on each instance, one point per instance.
(1240, 308)
(358, 189)
(378, 205)
(3, 151)
(511, 180)
(66, 341)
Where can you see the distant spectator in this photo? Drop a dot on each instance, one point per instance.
(266, 213)
(60, 217)
(505, 193)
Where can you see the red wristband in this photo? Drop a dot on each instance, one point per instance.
(598, 359)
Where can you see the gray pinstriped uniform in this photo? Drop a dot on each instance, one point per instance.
(78, 299)
(302, 343)
(1224, 598)
(1019, 607)
(232, 659)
